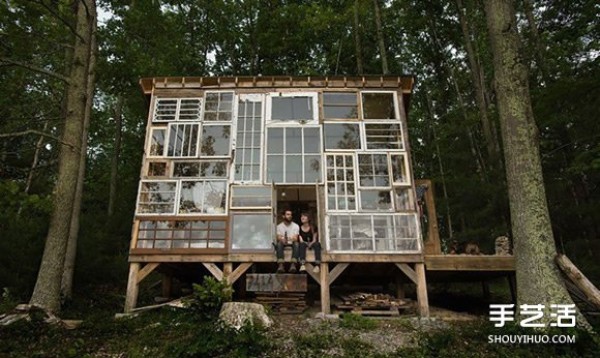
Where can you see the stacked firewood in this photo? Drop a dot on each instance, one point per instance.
(372, 303)
(282, 302)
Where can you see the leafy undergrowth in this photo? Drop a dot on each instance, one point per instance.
(173, 332)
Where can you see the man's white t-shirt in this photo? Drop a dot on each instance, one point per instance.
(291, 229)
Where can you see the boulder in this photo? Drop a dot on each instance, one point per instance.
(236, 314)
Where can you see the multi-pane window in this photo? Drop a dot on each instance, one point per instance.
(342, 136)
(251, 197)
(203, 196)
(373, 170)
(182, 109)
(200, 169)
(157, 142)
(157, 197)
(202, 234)
(218, 106)
(216, 140)
(403, 199)
(294, 155)
(379, 105)
(183, 140)
(252, 231)
(248, 142)
(386, 136)
(373, 233)
(340, 105)
(294, 106)
(341, 191)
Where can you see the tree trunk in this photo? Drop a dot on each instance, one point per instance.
(357, 42)
(66, 287)
(380, 38)
(114, 166)
(538, 277)
(491, 142)
(47, 287)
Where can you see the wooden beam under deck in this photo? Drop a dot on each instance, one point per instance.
(143, 255)
(469, 263)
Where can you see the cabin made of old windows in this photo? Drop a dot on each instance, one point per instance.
(224, 155)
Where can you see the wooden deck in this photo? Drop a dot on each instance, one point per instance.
(469, 263)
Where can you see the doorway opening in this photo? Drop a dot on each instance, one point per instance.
(299, 199)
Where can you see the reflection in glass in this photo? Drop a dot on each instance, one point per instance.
(378, 106)
(215, 140)
(399, 171)
(373, 170)
(189, 109)
(251, 196)
(157, 143)
(338, 105)
(183, 140)
(156, 197)
(375, 200)
(312, 140)
(218, 106)
(342, 136)
(165, 110)
(403, 198)
(312, 168)
(292, 108)
(252, 231)
(206, 197)
(157, 169)
(383, 136)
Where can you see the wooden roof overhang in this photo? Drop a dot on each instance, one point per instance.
(403, 83)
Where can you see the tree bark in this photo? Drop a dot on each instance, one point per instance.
(46, 292)
(66, 287)
(380, 38)
(538, 277)
(491, 142)
(357, 41)
(114, 165)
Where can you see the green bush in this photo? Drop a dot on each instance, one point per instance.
(354, 321)
(209, 296)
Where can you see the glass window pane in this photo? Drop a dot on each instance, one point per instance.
(275, 140)
(403, 198)
(342, 136)
(156, 197)
(252, 231)
(293, 169)
(191, 197)
(189, 109)
(214, 197)
(165, 110)
(186, 169)
(293, 140)
(292, 108)
(275, 168)
(157, 169)
(375, 200)
(340, 105)
(378, 106)
(312, 168)
(215, 140)
(157, 142)
(373, 169)
(246, 196)
(383, 136)
(399, 170)
(312, 140)
(218, 106)
(183, 140)
(406, 226)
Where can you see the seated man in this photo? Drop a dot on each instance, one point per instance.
(287, 234)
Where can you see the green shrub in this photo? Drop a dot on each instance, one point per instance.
(209, 296)
(354, 321)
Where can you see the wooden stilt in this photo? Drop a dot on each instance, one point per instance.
(422, 290)
(400, 293)
(512, 285)
(214, 270)
(325, 299)
(132, 287)
(238, 272)
(227, 269)
(167, 284)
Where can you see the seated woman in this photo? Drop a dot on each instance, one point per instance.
(309, 239)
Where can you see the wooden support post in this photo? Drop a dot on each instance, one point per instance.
(167, 284)
(422, 290)
(309, 271)
(485, 287)
(578, 278)
(400, 293)
(238, 272)
(325, 305)
(132, 287)
(214, 270)
(512, 285)
(227, 269)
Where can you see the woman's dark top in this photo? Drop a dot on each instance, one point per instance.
(306, 236)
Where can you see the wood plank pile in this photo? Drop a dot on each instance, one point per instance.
(372, 304)
(282, 302)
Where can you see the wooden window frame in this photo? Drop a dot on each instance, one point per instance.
(361, 136)
(137, 203)
(249, 212)
(203, 180)
(324, 104)
(149, 154)
(246, 208)
(396, 106)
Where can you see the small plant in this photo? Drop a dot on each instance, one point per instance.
(8, 301)
(354, 321)
(209, 296)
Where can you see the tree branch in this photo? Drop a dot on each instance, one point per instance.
(60, 18)
(33, 131)
(8, 61)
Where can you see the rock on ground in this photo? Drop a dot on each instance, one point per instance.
(237, 314)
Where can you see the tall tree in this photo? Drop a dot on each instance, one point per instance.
(357, 41)
(47, 288)
(380, 38)
(538, 278)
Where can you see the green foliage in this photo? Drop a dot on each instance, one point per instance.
(357, 322)
(209, 296)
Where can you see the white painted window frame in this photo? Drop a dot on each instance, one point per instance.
(248, 208)
(379, 121)
(203, 180)
(361, 136)
(396, 106)
(149, 142)
(186, 123)
(291, 122)
(137, 201)
(326, 182)
(233, 105)
(262, 147)
(157, 100)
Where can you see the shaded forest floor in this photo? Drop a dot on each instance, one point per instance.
(171, 332)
